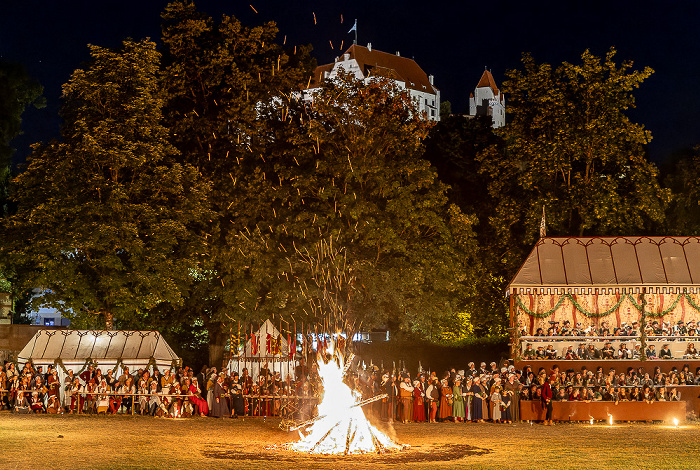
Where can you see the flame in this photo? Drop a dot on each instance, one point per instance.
(675, 422)
(342, 427)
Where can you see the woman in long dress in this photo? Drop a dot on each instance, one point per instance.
(196, 397)
(458, 401)
(478, 401)
(445, 401)
(220, 408)
(512, 390)
(418, 406)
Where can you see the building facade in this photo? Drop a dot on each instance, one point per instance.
(365, 63)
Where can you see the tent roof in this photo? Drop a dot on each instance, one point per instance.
(610, 262)
(101, 346)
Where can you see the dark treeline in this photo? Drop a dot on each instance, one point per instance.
(193, 187)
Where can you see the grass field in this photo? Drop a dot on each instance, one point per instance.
(90, 442)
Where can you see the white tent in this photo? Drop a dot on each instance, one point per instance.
(107, 349)
(256, 358)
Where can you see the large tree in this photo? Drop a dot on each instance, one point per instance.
(103, 215)
(683, 215)
(220, 77)
(17, 92)
(571, 147)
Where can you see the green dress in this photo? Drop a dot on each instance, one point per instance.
(458, 410)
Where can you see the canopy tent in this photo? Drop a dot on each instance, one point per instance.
(266, 348)
(106, 349)
(588, 280)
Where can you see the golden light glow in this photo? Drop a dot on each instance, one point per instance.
(342, 427)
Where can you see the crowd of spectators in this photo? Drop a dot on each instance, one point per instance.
(169, 394)
(652, 328)
(473, 395)
(608, 351)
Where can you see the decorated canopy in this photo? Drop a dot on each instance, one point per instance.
(105, 349)
(588, 280)
(265, 348)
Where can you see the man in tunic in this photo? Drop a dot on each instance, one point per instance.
(406, 394)
(433, 397)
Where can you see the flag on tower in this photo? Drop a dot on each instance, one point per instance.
(354, 27)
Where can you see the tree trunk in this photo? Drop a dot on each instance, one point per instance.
(217, 345)
(109, 321)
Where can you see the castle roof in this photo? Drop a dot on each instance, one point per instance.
(374, 62)
(487, 81)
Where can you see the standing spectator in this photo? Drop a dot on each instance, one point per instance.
(445, 401)
(546, 398)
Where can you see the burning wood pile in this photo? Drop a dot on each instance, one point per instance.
(341, 426)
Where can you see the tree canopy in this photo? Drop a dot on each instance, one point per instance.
(103, 215)
(570, 147)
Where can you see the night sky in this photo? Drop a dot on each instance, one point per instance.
(453, 40)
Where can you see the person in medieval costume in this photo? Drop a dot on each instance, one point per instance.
(418, 399)
(445, 412)
(90, 396)
(102, 397)
(458, 401)
(220, 404)
(237, 403)
(406, 394)
(496, 401)
(512, 392)
(76, 396)
(432, 394)
(478, 401)
(196, 397)
(468, 397)
(143, 394)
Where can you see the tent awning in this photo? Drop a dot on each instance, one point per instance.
(659, 264)
(75, 346)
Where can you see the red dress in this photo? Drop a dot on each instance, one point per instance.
(418, 407)
(198, 400)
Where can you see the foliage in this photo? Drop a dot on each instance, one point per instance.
(219, 78)
(683, 215)
(17, 92)
(570, 147)
(102, 215)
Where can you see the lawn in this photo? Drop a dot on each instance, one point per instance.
(90, 442)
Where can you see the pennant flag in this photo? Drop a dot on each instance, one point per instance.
(354, 27)
(254, 343)
(268, 345)
(278, 345)
(543, 225)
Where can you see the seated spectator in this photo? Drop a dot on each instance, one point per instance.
(622, 395)
(550, 353)
(673, 395)
(570, 353)
(661, 394)
(637, 352)
(623, 352)
(608, 352)
(529, 353)
(592, 352)
(540, 354)
(665, 352)
(651, 352)
(635, 395)
(581, 351)
(690, 352)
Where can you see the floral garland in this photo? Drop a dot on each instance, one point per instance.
(588, 314)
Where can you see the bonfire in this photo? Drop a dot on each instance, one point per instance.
(341, 426)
